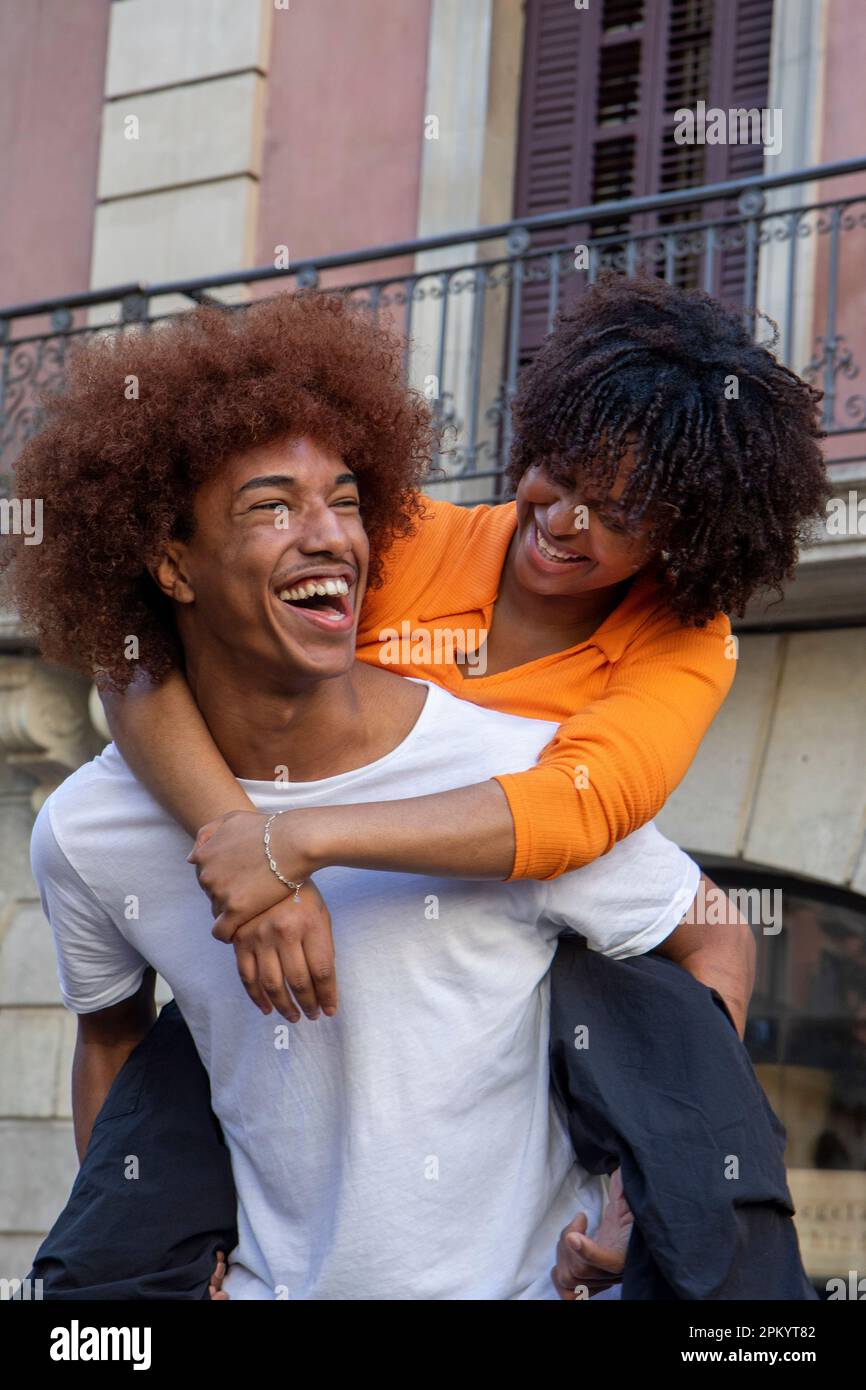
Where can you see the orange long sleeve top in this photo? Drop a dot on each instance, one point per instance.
(633, 701)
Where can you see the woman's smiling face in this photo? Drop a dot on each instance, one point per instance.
(571, 539)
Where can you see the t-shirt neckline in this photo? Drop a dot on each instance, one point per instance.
(344, 779)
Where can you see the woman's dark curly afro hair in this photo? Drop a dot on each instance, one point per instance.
(728, 467)
(117, 474)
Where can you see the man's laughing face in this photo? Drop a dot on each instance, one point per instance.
(271, 581)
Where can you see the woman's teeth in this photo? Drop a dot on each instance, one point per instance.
(550, 553)
(311, 587)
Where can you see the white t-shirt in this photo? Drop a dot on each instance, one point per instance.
(409, 1147)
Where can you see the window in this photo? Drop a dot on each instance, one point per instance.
(806, 1036)
(600, 89)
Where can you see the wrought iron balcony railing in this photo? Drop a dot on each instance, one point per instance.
(474, 304)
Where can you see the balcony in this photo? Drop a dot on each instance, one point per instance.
(474, 303)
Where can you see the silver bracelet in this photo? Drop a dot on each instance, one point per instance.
(295, 887)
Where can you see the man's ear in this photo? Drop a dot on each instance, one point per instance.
(170, 573)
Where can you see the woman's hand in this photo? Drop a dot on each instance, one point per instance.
(595, 1264)
(278, 941)
(229, 858)
(290, 947)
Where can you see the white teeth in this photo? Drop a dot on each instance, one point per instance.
(308, 587)
(549, 551)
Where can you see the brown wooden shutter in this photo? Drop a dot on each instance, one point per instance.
(687, 79)
(600, 88)
(721, 56)
(742, 68)
(554, 156)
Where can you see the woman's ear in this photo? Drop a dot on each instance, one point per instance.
(170, 574)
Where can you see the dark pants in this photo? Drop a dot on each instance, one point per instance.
(662, 1087)
(665, 1089)
(153, 1235)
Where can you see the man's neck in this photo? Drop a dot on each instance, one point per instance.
(322, 729)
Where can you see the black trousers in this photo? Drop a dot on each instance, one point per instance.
(154, 1198)
(664, 1089)
(661, 1086)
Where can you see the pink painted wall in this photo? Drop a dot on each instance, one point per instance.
(844, 137)
(52, 66)
(344, 127)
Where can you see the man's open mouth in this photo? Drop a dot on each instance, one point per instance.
(324, 599)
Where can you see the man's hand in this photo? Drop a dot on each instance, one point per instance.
(281, 945)
(215, 1287)
(598, 1263)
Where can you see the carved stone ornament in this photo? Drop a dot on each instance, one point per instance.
(46, 728)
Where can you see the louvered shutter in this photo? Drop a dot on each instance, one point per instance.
(554, 157)
(687, 79)
(744, 83)
(600, 89)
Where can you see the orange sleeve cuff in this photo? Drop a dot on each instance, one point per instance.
(542, 801)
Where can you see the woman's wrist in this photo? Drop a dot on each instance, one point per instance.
(299, 840)
(474, 835)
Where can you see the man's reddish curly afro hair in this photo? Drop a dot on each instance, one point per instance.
(117, 476)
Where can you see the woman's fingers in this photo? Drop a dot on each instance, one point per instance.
(224, 928)
(318, 946)
(230, 917)
(285, 966)
(228, 920)
(203, 836)
(268, 973)
(272, 981)
(245, 959)
(290, 948)
(232, 869)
